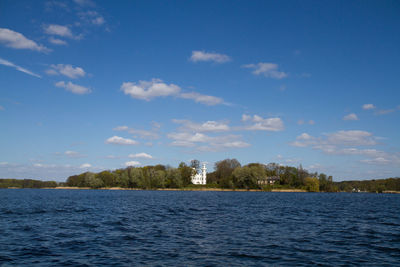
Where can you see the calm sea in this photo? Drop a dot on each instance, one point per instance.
(176, 228)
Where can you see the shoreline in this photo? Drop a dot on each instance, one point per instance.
(173, 189)
(292, 190)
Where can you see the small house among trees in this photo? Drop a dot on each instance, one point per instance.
(269, 180)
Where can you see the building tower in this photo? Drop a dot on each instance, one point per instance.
(200, 178)
(204, 174)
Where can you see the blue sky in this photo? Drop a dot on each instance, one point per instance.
(91, 85)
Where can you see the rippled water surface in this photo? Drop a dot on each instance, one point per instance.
(177, 228)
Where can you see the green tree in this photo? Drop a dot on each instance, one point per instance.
(248, 176)
(312, 184)
(224, 170)
(186, 173)
(107, 178)
(93, 181)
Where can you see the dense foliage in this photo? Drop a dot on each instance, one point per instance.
(147, 177)
(376, 186)
(26, 183)
(228, 174)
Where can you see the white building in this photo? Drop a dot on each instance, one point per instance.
(200, 178)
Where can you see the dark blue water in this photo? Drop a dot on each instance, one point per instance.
(168, 228)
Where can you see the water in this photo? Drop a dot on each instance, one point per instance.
(176, 228)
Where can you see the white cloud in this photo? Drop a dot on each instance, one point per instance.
(73, 154)
(60, 30)
(352, 137)
(148, 90)
(66, 70)
(141, 155)
(132, 163)
(208, 126)
(304, 136)
(98, 21)
(368, 106)
(1, 108)
(42, 170)
(74, 88)
(21, 69)
(206, 56)
(350, 117)
(385, 111)
(121, 128)
(330, 143)
(18, 41)
(383, 159)
(85, 166)
(363, 152)
(116, 140)
(92, 17)
(57, 41)
(112, 157)
(203, 99)
(246, 117)
(202, 142)
(344, 142)
(145, 134)
(85, 2)
(267, 69)
(223, 145)
(263, 124)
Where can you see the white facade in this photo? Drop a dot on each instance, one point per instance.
(200, 178)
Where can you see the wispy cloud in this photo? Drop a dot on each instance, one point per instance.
(57, 41)
(85, 3)
(66, 70)
(267, 69)
(141, 155)
(17, 40)
(117, 140)
(339, 138)
(73, 88)
(385, 111)
(203, 142)
(207, 56)
(131, 163)
(73, 154)
(368, 106)
(86, 166)
(208, 126)
(21, 69)
(60, 30)
(92, 17)
(259, 123)
(144, 134)
(203, 99)
(350, 117)
(337, 142)
(379, 111)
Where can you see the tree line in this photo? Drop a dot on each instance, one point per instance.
(373, 186)
(228, 173)
(26, 183)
